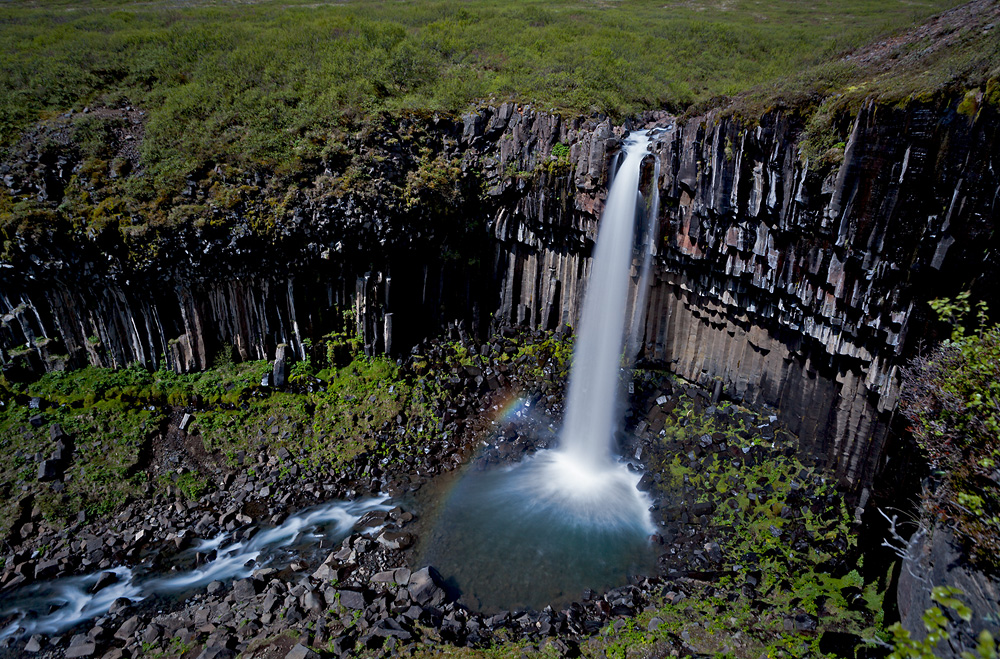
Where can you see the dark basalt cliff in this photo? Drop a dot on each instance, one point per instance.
(796, 286)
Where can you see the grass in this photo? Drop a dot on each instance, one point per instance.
(113, 416)
(325, 428)
(108, 441)
(269, 84)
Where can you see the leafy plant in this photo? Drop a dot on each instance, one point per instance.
(940, 627)
(951, 396)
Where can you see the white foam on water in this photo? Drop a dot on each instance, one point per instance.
(577, 493)
(74, 603)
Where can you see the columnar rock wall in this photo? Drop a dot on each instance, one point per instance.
(797, 286)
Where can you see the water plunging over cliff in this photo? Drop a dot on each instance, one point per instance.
(591, 413)
(569, 518)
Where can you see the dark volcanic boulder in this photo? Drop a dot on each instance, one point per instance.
(426, 587)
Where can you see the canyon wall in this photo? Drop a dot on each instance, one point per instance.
(793, 285)
(800, 287)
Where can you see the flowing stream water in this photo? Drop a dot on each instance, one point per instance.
(52, 607)
(569, 518)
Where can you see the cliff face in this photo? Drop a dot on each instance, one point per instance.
(796, 287)
(804, 290)
(793, 286)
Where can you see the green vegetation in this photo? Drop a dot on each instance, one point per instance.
(338, 406)
(952, 398)
(272, 84)
(939, 626)
(788, 531)
(790, 570)
(328, 426)
(114, 417)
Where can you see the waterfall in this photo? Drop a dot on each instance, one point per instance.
(591, 409)
(572, 517)
(580, 480)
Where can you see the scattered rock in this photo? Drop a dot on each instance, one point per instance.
(34, 644)
(395, 539)
(48, 470)
(301, 652)
(245, 589)
(280, 371)
(103, 581)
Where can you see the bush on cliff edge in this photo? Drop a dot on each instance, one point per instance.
(951, 396)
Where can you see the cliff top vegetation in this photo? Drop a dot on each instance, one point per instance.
(264, 83)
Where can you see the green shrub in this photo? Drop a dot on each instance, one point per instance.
(939, 625)
(951, 396)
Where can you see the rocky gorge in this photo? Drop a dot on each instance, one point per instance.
(717, 466)
(789, 287)
(790, 282)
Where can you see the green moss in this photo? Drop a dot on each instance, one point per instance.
(991, 96)
(969, 106)
(191, 484)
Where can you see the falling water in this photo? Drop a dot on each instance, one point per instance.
(581, 478)
(590, 421)
(540, 531)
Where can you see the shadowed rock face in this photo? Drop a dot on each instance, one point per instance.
(795, 287)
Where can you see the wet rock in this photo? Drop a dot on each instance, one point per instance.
(34, 644)
(395, 539)
(372, 519)
(103, 581)
(46, 570)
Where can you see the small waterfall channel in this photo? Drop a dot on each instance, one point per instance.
(568, 518)
(54, 606)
